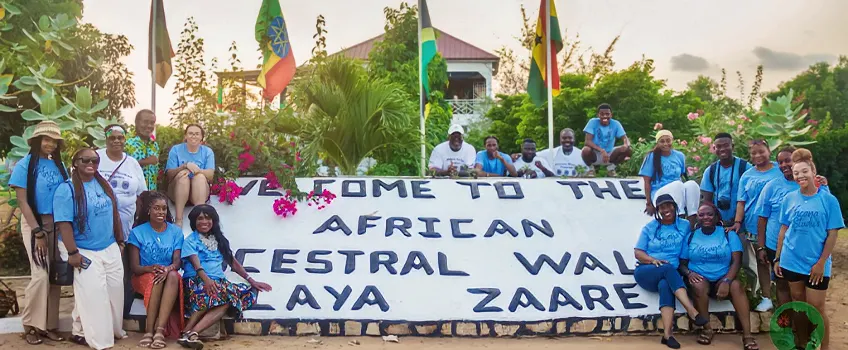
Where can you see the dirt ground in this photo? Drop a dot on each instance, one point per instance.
(837, 303)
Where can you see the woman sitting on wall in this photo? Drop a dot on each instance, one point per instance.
(710, 263)
(190, 169)
(662, 171)
(208, 293)
(658, 254)
(154, 255)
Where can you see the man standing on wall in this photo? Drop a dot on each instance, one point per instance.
(601, 133)
(453, 155)
(532, 165)
(564, 159)
(721, 179)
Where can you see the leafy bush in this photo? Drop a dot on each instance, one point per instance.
(830, 153)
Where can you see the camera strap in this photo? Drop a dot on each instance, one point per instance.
(718, 176)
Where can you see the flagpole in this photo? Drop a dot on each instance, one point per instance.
(421, 96)
(548, 70)
(153, 56)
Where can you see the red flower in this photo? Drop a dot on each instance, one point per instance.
(232, 135)
(227, 192)
(285, 206)
(297, 157)
(273, 182)
(245, 145)
(247, 160)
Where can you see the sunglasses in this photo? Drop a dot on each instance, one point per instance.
(758, 142)
(89, 160)
(116, 138)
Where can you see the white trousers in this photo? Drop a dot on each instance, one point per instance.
(99, 298)
(686, 195)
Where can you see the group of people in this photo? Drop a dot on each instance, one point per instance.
(455, 156)
(105, 229)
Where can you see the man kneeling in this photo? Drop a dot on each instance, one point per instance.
(190, 169)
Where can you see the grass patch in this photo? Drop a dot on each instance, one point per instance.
(843, 233)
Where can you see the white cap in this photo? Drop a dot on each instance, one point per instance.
(456, 128)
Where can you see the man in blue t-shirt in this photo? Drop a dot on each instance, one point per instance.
(720, 183)
(492, 162)
(601, 133)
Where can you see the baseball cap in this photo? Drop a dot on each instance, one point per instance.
(665, 198)
(456, 128)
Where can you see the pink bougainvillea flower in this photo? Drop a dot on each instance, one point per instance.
(692, 116)
(705, 140)
(273, 182)
(692, 170)
(285, 206)
(658, 126)
(292, 143)
(684, 143)
(247, 160)
(697, 158)
(232, 135)
(731, 123)
(245, 146)
(227, 192)
(297, 157)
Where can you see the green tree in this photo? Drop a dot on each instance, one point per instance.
(195, 97)
(347, 115)
(823, 89)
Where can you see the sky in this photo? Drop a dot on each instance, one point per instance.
(684, 37)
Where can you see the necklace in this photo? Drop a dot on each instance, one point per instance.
(209, 241)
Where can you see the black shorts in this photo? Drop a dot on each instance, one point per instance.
(797, 277)
(713, 288)
(771, 255)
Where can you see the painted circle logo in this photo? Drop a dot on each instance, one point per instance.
(796, 325)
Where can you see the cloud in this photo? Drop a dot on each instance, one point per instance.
(778, 60)
(689, 63)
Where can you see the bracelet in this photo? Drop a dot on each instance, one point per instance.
(73, 252)
(198, 270)
(761, 249)
(40, 235)
(36, 230)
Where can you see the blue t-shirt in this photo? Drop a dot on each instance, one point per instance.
(47, 178)
(211, 260)
(179, 155)
(604, 136)
(710, 255)
(727, 181)
(99, 233)
(769, 206)
(750, 186)
(809, 218)
(664, 242)
(156, 248)
(673, 167)
(494, 166)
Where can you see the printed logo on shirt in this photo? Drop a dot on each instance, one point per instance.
(49, 175)
(711, 252)
(99, 201)
(806, 218)
(603, 137)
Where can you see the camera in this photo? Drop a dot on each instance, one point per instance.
(723, 203)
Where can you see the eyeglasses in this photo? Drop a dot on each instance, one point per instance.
(116, 138)
(89, 160)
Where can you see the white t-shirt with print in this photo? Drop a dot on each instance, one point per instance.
(563, 165)
(443, 156)
(127, 183)
(521, 164)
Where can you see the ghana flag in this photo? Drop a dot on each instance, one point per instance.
(428, 46)
(537, 84)
(278, 64)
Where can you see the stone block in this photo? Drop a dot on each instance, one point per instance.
(540, 327)
(335, 329)
(373, 329)
(715, 323)
(730, 323)
(132, 325)
(683, 323)
(636, 325)
(606, 325)
(398, 329)
(755, 322)
(506, 330)
(584, 326)
(765, 321)
(215, 332)
(426, 329)
(353, 328)
(446, 329)
(278, 329)
(305, 328)
(561, 327)
(484, 329)
(248, 328)
(466, 329)
(619, 321)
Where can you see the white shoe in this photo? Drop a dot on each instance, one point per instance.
(765, 305)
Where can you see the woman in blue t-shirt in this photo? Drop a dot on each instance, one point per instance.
(86, 214)
(208, 293)
(747, 213)
(810, 221)
(710, 263)
(190, 168)
(154, 257)
(35, 178)
(661, 173)
(657, 252)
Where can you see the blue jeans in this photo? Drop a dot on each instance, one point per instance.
(663, 280)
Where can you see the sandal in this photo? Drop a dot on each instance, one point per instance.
(146, 340)
(191, 340)
(750, 343)
(32, 336)
(52, 336)
(706, 337)
(78, 340)
(159, 339)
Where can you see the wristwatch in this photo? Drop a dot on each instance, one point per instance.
(726, 280)
(761, 248)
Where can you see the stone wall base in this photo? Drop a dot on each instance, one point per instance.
(726, 322)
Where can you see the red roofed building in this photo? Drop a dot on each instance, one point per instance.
(470, 72)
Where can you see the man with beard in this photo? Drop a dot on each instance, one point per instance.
(564, 159)
(492, 162)
(601, 133)
(453, 155)
(536, 167)
(144, 148)
(721, 179)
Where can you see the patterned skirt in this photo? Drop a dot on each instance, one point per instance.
(239, 296)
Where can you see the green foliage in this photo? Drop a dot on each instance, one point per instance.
(782, 123)
(384, 170)
(195, 97)
(830, 153)
(824, 90)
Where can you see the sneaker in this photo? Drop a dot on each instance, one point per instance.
(765, 305)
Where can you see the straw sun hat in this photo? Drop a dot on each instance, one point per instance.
(46, 128)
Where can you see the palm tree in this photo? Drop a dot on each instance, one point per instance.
(345, 115)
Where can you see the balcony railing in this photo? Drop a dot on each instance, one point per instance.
(469, 107)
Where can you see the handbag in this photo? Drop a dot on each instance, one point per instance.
(60, 272)
(8, 301)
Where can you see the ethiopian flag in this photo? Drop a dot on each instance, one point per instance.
(537, 84)
(163, 51)
(278, 64)
(428, 46)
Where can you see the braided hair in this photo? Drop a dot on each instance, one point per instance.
(147, 199)
(223, 242)
(32, 171)
(81, 203)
